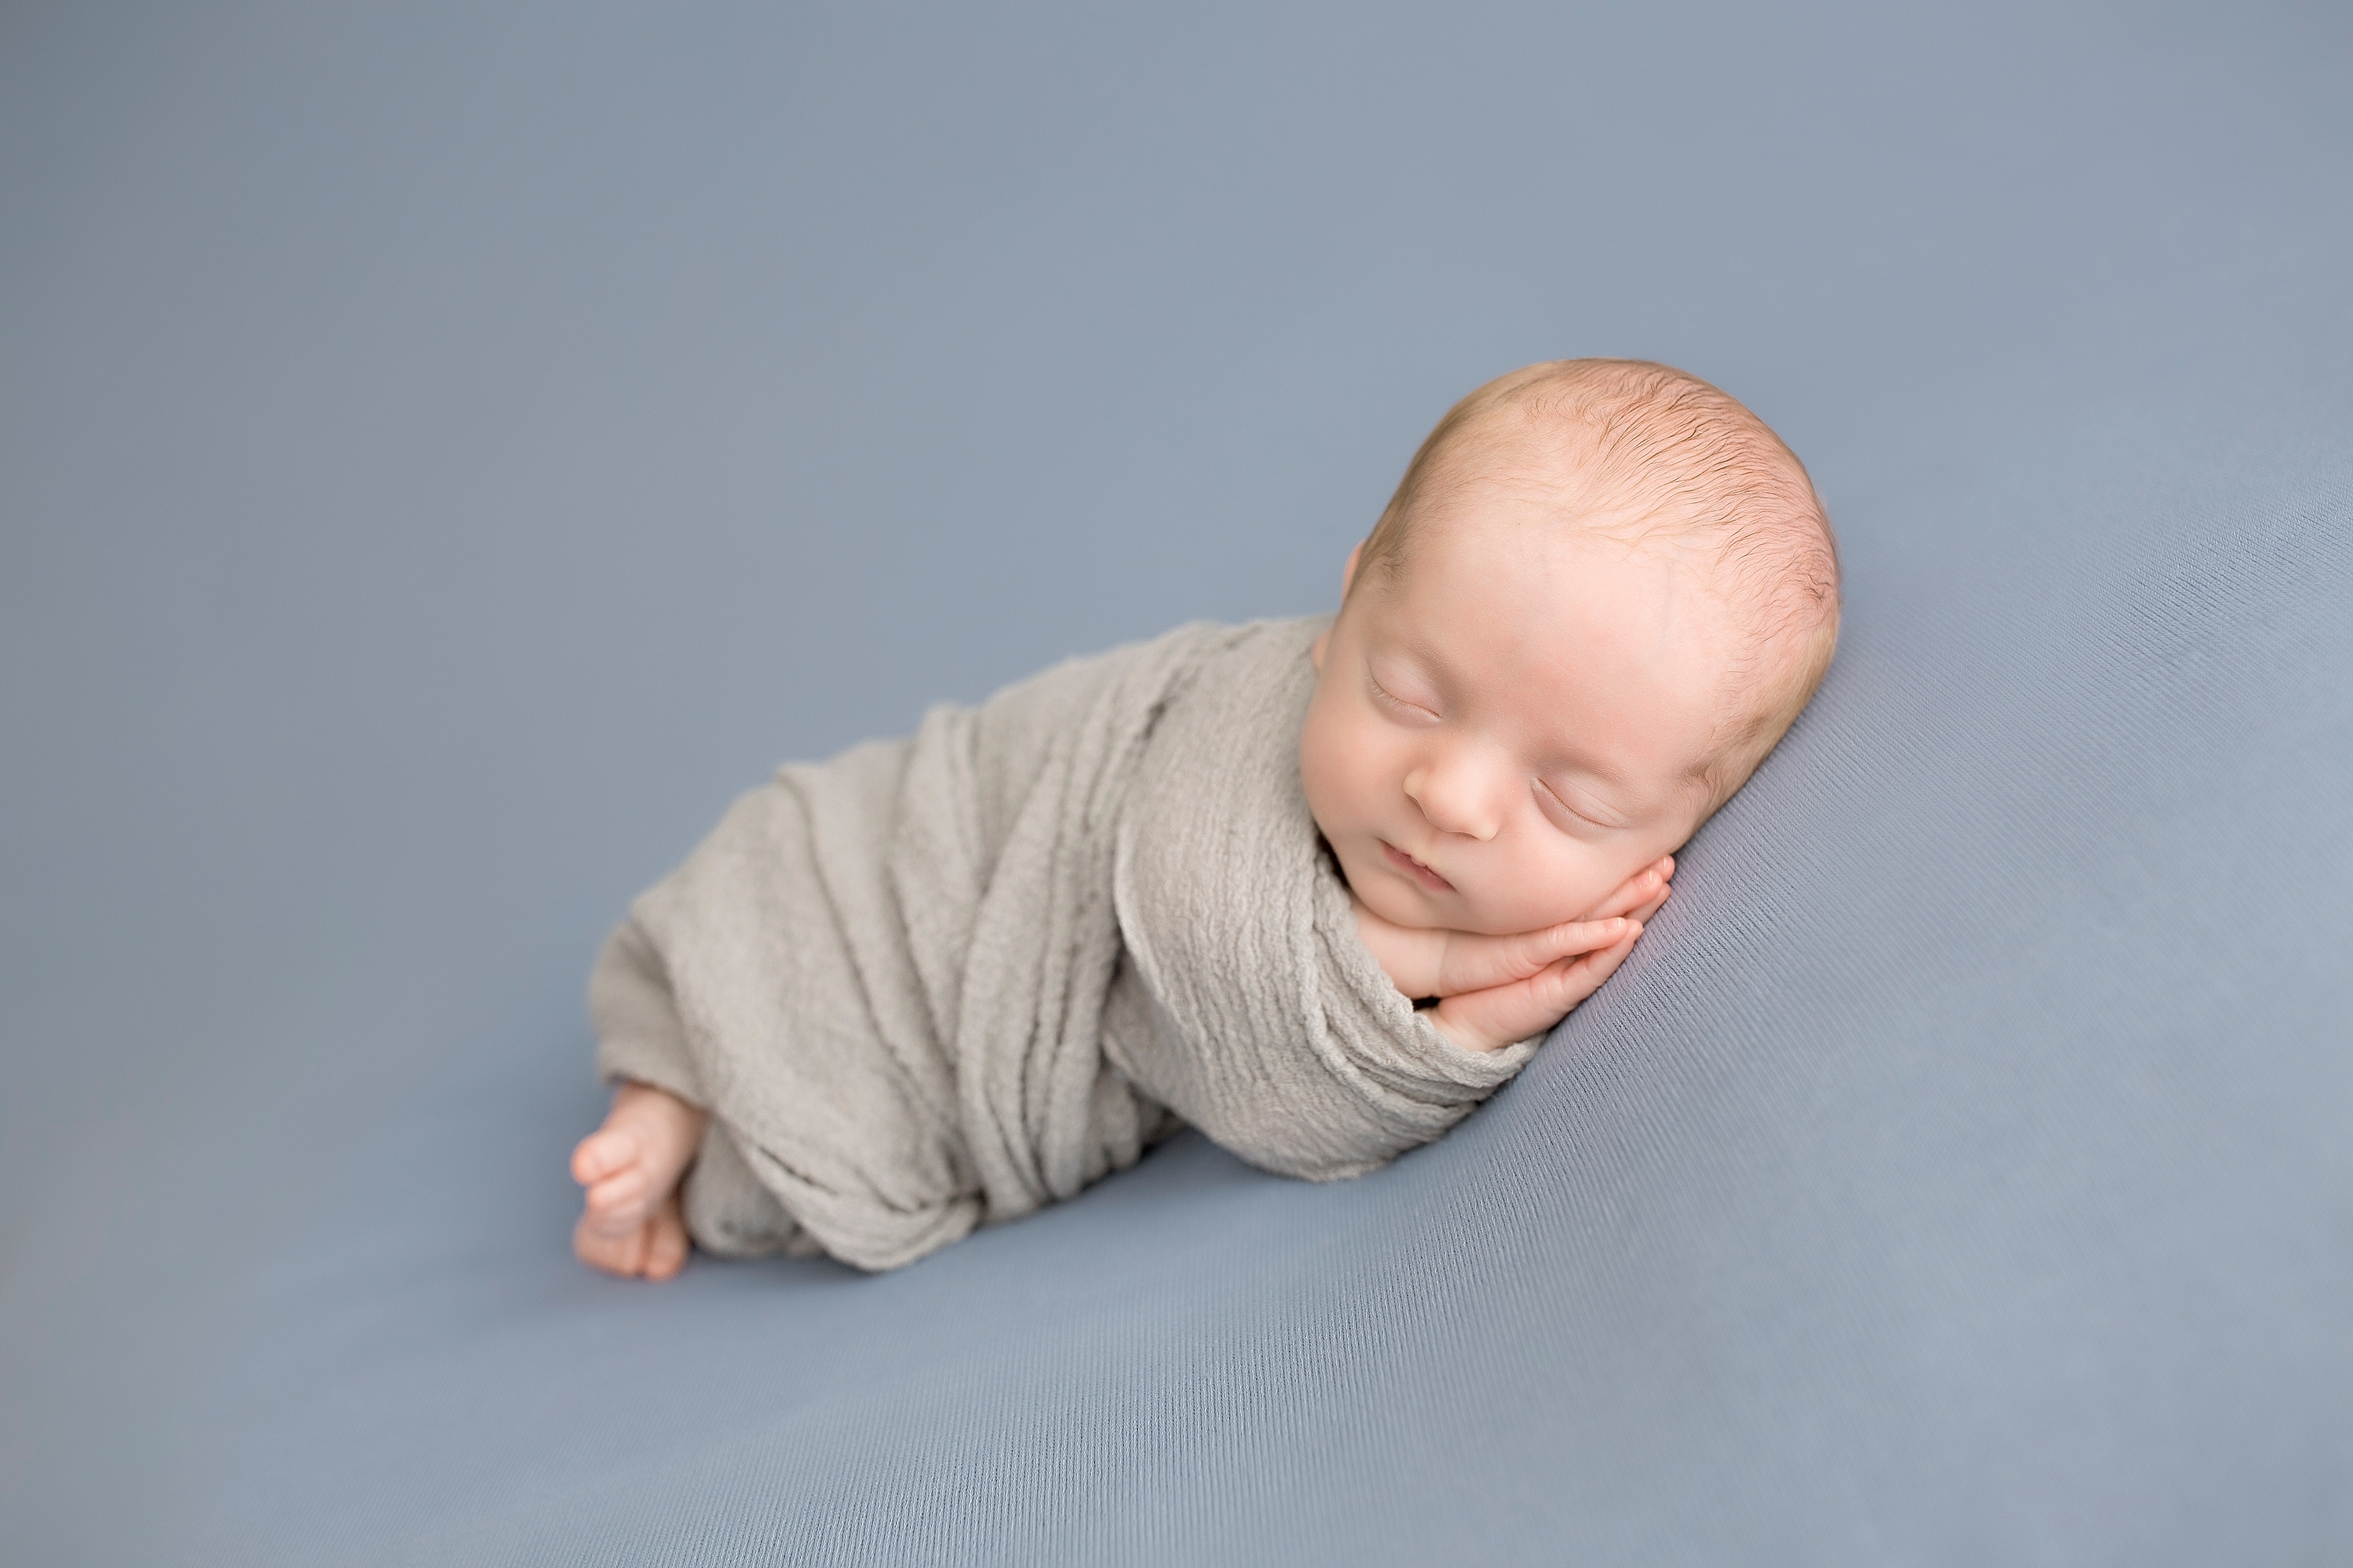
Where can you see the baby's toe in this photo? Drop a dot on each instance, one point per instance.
(613, 1254)
(666, 1245)
(618, 1202)
(602, 1153)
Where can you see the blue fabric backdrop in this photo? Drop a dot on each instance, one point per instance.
(446, 452)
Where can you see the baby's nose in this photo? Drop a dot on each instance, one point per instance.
(1452, 801)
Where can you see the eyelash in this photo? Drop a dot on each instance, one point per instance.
(1572, 811)
(1385, 695)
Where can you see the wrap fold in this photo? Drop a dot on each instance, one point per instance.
(944, 981)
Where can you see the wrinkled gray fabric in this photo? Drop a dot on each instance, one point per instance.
(951, 979)
(448, 452)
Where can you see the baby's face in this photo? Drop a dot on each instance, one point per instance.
(1503, 736)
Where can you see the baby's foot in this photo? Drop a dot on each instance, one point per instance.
(630, 1222)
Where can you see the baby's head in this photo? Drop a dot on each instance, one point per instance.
(1600, 595)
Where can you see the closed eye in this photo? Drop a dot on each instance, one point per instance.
(1585, 819)
(1394, 700)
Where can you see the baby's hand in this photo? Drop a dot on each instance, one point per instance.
(1495, 990)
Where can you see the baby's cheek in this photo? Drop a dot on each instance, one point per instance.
(1532, 892)
(1326, 771)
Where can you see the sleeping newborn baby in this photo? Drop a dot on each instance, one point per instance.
(1316, 888)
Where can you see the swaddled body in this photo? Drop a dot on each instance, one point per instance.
(948, 979)
(945, 980)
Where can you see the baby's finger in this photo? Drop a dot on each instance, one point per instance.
(1486, 1020)
(1498, 1015)
(1542, 947)
(1626, 898)
(1476, 963)
(1639, 888)
(1573, 980)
